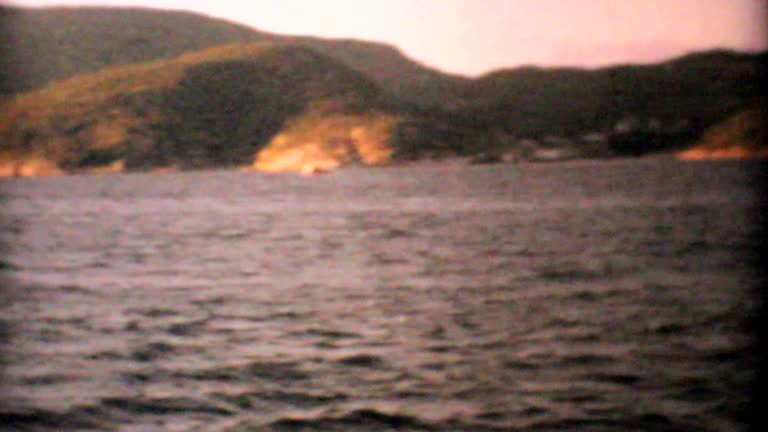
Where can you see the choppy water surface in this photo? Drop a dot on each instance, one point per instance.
(581, 296)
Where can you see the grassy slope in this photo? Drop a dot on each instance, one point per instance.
(58, 43)
(208, 108)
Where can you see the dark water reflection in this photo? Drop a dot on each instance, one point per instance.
(577, 296)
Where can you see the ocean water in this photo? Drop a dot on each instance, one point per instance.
(430, 297)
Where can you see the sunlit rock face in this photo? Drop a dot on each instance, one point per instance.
(31, 166)
(734, 152)
(742, 135)
(321, 143)
(36, 166)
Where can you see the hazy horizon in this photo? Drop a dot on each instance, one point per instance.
(457, 36)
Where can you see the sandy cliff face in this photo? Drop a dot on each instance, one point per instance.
(327, 142)
(732, 152)
(743, 135)
(27, 166)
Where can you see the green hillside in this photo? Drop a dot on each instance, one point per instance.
(644, 100)
(216, 107)
(60, 42)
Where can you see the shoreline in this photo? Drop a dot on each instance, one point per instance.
(447, 162)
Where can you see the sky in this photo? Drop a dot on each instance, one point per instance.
(472, 37)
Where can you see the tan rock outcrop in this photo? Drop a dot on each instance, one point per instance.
(29, 166)
(743, 135)
(323, 143)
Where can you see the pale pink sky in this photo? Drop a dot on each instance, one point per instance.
(475, 36)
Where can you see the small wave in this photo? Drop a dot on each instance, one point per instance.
(369, 419)
(592, 295)
(538, 360)
(170, 405)
(214, 300)
(153, 312)
(48, 379)
(699, 394)
(298, 399)
(575, 270)
(566, 272)
(302, 399)
(276, 371)
(52, 335)
(8, 265)
(328, 333)
(226, 373)
(78, 418)
(522, 365)
(645, 422)
(273, 371)
(383, 259)
(188, 328)
(152, 351)
(666, 249)
(394, 233)
(231, 234)
(283, 315)
(694, 246)
(288, 238)
(668, 328)
(355, 420)
(70, 288)
(362, 360)
(731, 354)
(441, 348)
(77, 321)
(576, 397)
(586, 359)
(615, 378)
(104, 355)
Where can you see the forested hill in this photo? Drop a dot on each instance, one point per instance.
(698, 89)
(56, 43)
